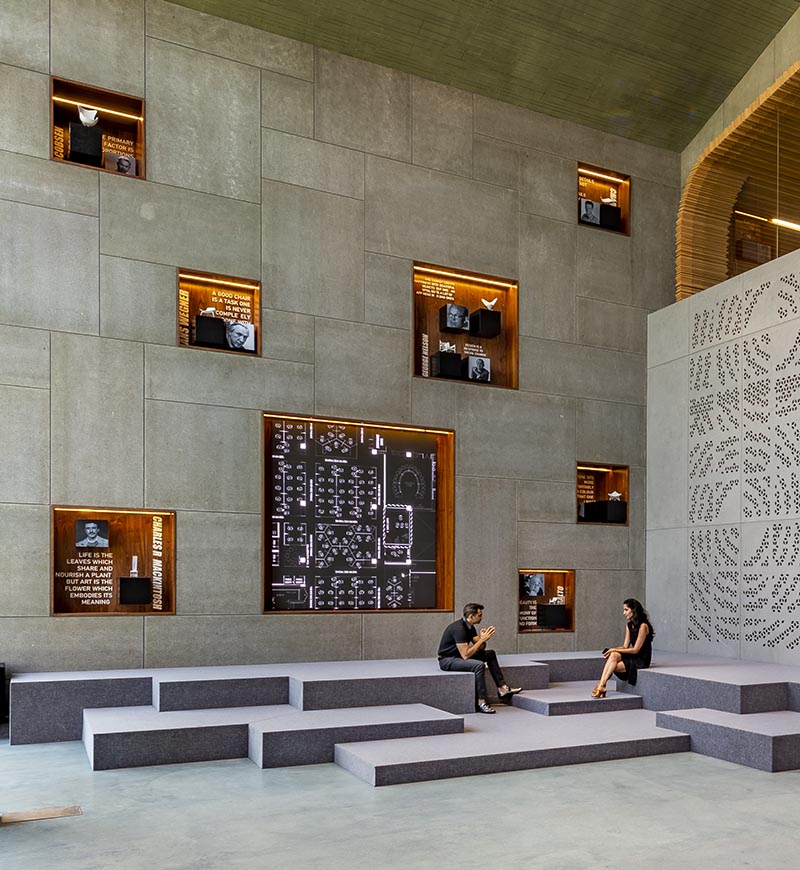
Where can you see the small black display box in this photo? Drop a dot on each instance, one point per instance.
(484, 323)
(85, 144)
(209, 331)
(135, 590)
(610, 216)
(603, 512)
(445, 364)
(552, 616)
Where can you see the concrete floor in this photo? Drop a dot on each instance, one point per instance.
(663, 812)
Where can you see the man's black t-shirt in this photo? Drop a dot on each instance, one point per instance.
(457, 632)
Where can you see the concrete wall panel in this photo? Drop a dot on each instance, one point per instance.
(361, 105)
(313, 252)
(204, 116)
(96, 421)
(48, 271)
(229, 39)
(25, 436)
(100, 42)
(202, 458)
(440, 218)
(162, 224)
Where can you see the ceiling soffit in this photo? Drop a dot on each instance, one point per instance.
(649, 70)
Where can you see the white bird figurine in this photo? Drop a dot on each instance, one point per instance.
(88, 116)
(489, 305)
(614, 496)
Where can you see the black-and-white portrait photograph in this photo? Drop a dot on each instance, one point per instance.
(91, 533)
(589, 211)
(480, 368)
(532, 585)
(122, 163)
(240, 336)
(457, 316)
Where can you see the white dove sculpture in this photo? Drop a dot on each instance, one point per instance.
(88, 116)
(489, 305)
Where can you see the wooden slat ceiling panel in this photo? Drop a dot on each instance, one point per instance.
(746, 169)
(650, 70)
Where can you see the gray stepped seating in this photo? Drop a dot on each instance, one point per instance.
(454, 693)
(767, 741)
(141, 736)
(205, 693)
(366, 684)
(566, 699)
(567, 667)
(48, 707)
(664, 690)
(310, 737)
(511, 740)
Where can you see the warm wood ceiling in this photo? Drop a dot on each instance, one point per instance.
(649, 70)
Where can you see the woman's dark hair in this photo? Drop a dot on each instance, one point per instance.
(640, 616)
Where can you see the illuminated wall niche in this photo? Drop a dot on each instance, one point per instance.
(97, 128)
(601, 492)
(604, 199)
(219, 312)
(546, 600)
(465, 326)
(358, 516)
(108, 562)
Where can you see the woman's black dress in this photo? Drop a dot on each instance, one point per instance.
(641, 660)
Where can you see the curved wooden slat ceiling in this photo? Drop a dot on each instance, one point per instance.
(743, 164)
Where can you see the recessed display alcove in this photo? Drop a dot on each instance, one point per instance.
(602, 493)
(546, 600)
(97, 128)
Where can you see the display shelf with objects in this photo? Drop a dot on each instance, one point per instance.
(219, 312)
(109, 562)
(604, 199)
(602, 493)
(98, 128)
(546, 600)
(358, 516)
(465, 326)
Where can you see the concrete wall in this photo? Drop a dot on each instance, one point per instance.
(723, 499)
(771, 64)
(326, 176)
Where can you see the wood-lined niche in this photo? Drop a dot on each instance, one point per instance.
(546, 600)
(113, 143)
(465, 326)
(601, 493)
(219, 312)
(108, 562)
(604, 199)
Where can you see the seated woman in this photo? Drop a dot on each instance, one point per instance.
(635, 653)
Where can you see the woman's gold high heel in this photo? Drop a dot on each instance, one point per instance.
(599, 691)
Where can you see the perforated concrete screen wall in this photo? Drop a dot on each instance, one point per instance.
(742, 476)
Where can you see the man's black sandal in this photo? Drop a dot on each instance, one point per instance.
(483, 707)
(509, 692)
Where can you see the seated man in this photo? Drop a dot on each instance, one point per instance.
(463, 649)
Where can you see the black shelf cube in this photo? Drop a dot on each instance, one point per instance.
(209, 331)
(85, 144)
(552, 616)
(135, 590)
(485, 323)
(445, 364)
(610, 217)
